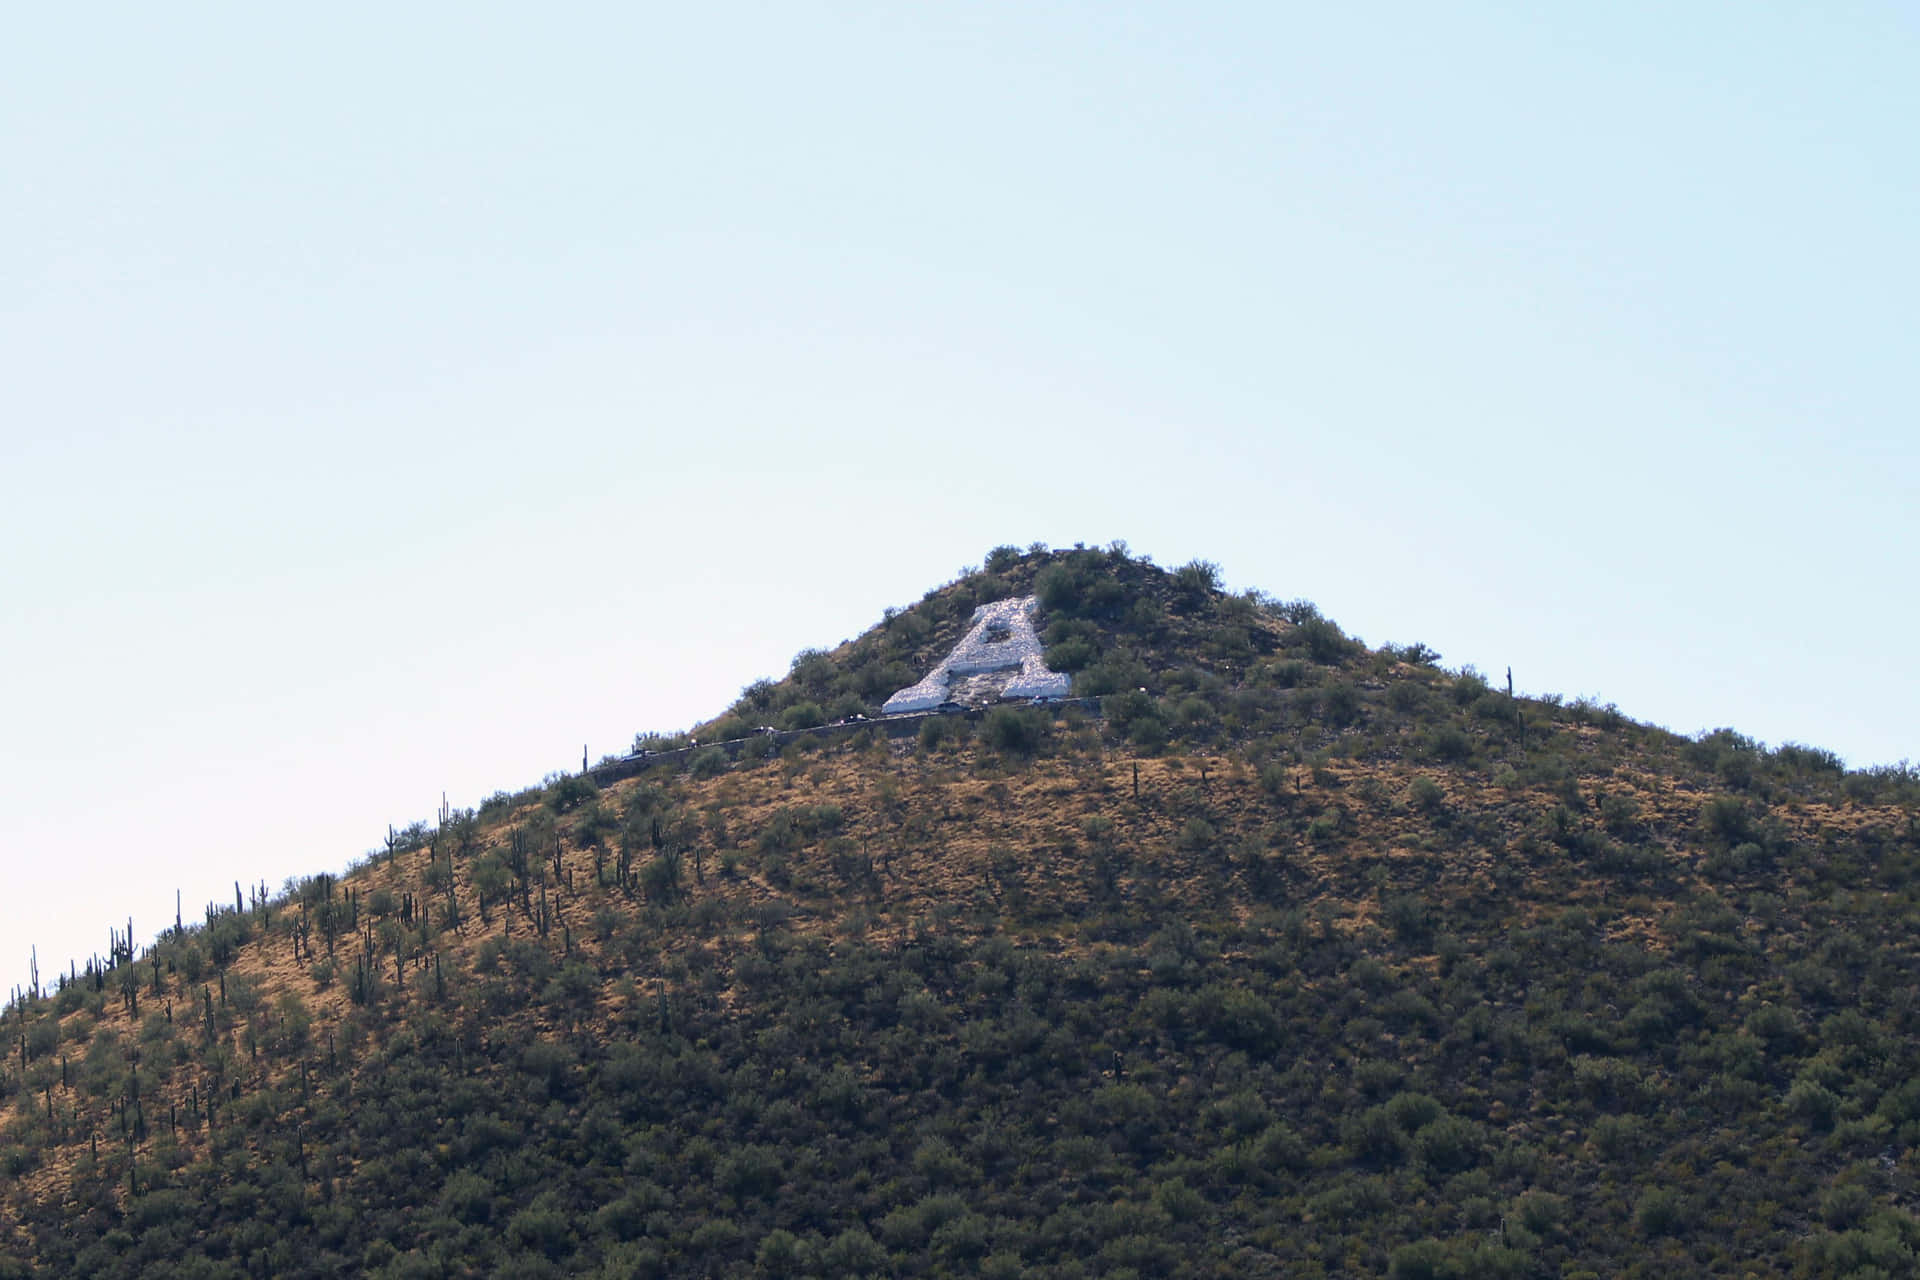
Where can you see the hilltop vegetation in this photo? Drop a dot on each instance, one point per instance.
(1299, 958)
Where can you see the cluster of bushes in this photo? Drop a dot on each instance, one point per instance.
(1216, 1096)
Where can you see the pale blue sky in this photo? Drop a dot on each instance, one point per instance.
(395, 398)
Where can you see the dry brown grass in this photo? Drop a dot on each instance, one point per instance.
(933, 824)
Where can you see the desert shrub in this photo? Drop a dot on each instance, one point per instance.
(1777, 1025)
(1239, 1018)
(1014, 730)
(1324, 642)
(1408, 917)
(1620, 814)
(1737, 768)
(1869, 1253)
(707, 762)
(803, 715)
(542, 1226)
(569, 792)
(1659, 1212)
(1113, 673)
(1844, 1206)
(1352, 1200)
(727, 728)
(1196, 835)
(467, 1197)
(813, 671)
(1426, 795)
(1340, 704)
(1422, 1260)
(1407, 697)
(1194, 581)
(1373, 1136)
(1277, 780)
(1149, 733)
(1195, 717)
(1284, 673)
(1070, 655)
(1002, 558)
(943, 731)
(1616, 1136)
(853, 1253)
(1279, 1149)
(1814, 1103)
(1540, 1212)
(1081, 585)
(1497, 707)
(1468, 687)
(1811, 762)
(1413, 1110)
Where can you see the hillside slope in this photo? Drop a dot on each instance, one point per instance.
(1296, 958)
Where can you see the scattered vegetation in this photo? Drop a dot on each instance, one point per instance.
(1299, 958)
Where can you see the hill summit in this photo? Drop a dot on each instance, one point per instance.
(1258, 952)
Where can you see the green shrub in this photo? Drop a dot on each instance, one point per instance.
(1497, 707)
(1015, 731)
(467, 1197)
(1373, 1136)
(1412, 1110)
(1422, 1260)
(1113, 673)
(1197, 835)
(1240, 1019)
(1468, 687)
(1426, 795)
(707, 762)
(1447, 744)
(1324, 642)
(1340, 704)
(1283, 673)
(1540, 1212)
(569, 792)
(1071, 655)
(1726, 820)
(803, 715)
(943, 731)
(1659, 1212)
(542, 1227)
(1002, 558)
(727, 728)
(1814, 1103)
(781, 1253)
(1193, 582)
(1279, 1149)
(1844, 1206)
(1448, 1145)
(1415, 654)
(1408, 917)
(1149, 733)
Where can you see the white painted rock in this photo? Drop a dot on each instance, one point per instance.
(1001, 642)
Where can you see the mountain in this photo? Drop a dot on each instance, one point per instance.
(1263, 954)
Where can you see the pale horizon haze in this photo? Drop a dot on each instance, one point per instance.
(395, 399)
